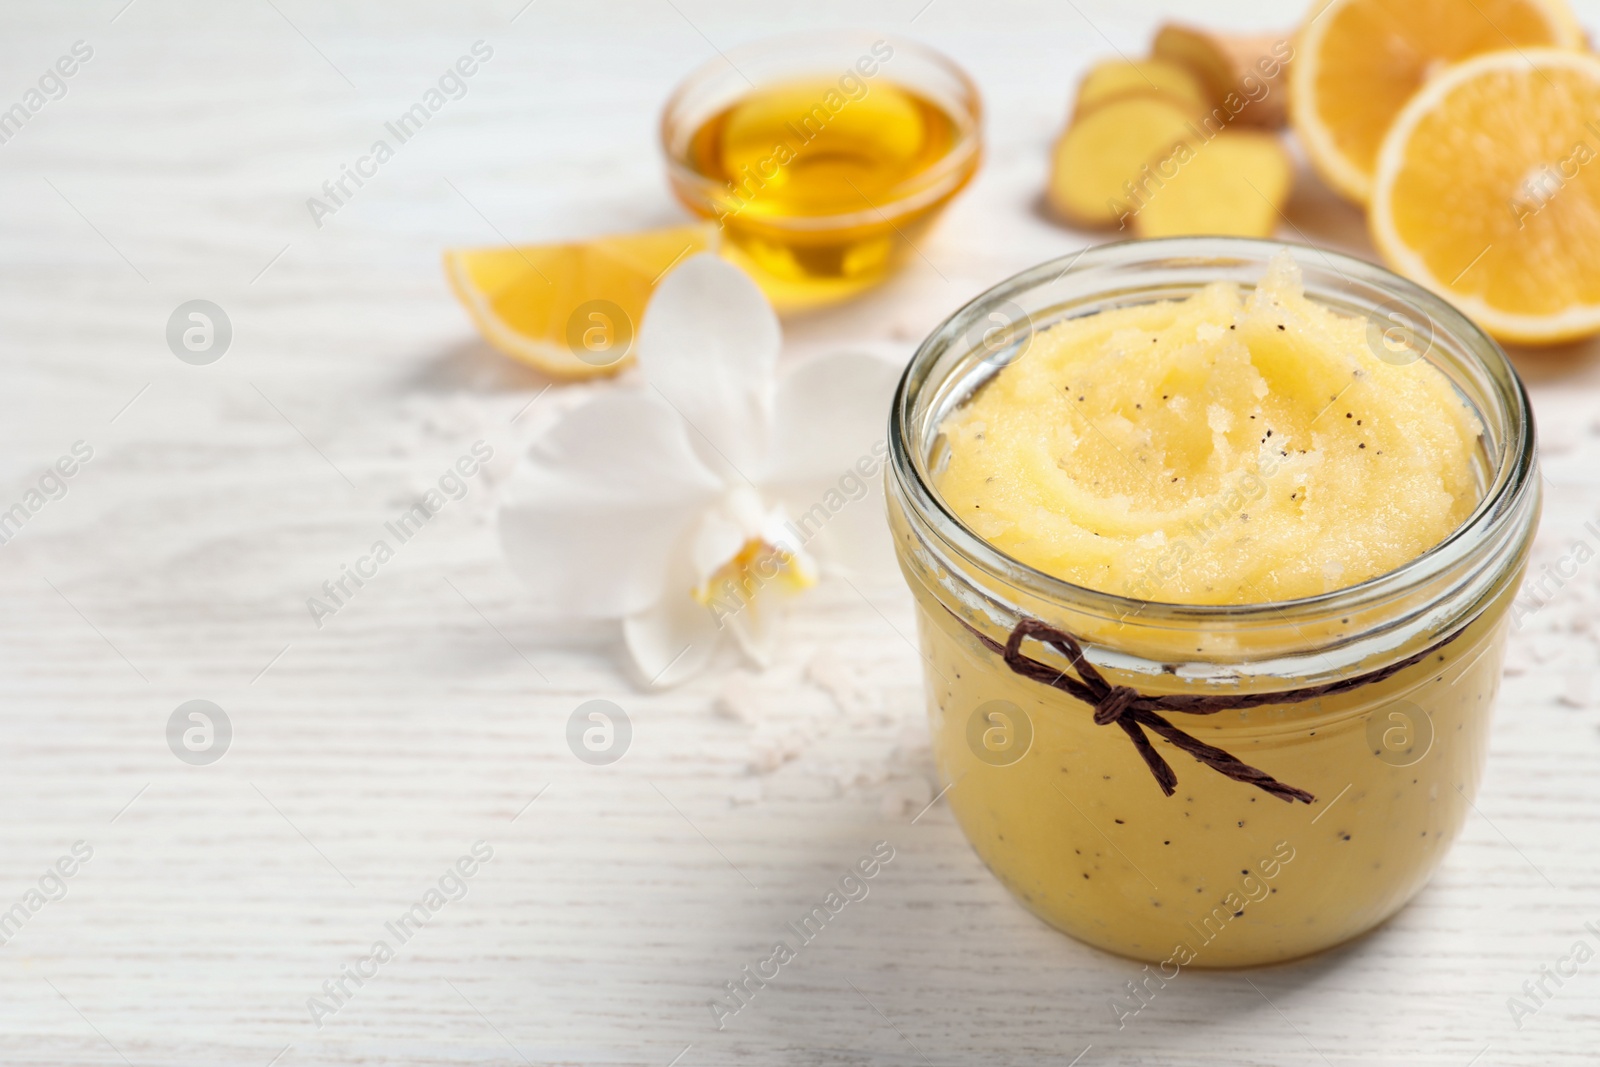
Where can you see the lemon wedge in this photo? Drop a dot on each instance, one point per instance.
(570, 310)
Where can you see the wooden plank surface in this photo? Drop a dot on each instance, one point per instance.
(370, 754)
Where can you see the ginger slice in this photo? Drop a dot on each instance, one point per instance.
(1112, 78)
(1242, 73)
(1099, 156)
(1235, 185)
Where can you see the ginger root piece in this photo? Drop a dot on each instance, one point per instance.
(1112, 78)
(1234, 185)
(1099, 156)
(1243, 73)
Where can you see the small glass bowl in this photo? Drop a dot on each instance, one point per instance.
(804, 259)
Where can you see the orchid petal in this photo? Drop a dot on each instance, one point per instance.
(708, 344)
(831, 413)
(755, 629)
(723, 532)
(602, 504)
(829, 452)
(842, 524)
(672, 640)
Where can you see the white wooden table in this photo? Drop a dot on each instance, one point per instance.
(368, 755)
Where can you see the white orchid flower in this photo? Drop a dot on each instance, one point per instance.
(681, 505)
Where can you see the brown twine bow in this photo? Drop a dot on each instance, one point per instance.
(1135, 712)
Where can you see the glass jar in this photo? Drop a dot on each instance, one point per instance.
(865, 139)
(1065, 812)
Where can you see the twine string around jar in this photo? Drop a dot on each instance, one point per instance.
(1135, 712)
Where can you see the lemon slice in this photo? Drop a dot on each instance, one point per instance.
(1488, 191)
(1358, 62)
(571, 310)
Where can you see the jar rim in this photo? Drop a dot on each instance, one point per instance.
(1505, 503)
(684, 112)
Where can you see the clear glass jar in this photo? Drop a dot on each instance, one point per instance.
(808, 254)
(1064, 811)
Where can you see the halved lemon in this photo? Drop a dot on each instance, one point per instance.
(1358, 61)
(1488, 191)
(571, 310)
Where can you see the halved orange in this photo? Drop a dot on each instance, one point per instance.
(571, 310)
(1358, 61)
(1488, 191)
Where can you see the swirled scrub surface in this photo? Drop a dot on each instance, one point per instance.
(1233, 447)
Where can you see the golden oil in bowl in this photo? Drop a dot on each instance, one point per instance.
(823, 159)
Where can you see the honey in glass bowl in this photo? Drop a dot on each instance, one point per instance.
(822, 158)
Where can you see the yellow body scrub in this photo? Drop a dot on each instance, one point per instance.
(1288, 562)
(1225, 449)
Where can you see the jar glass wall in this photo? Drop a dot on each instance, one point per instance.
(1066, 812)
